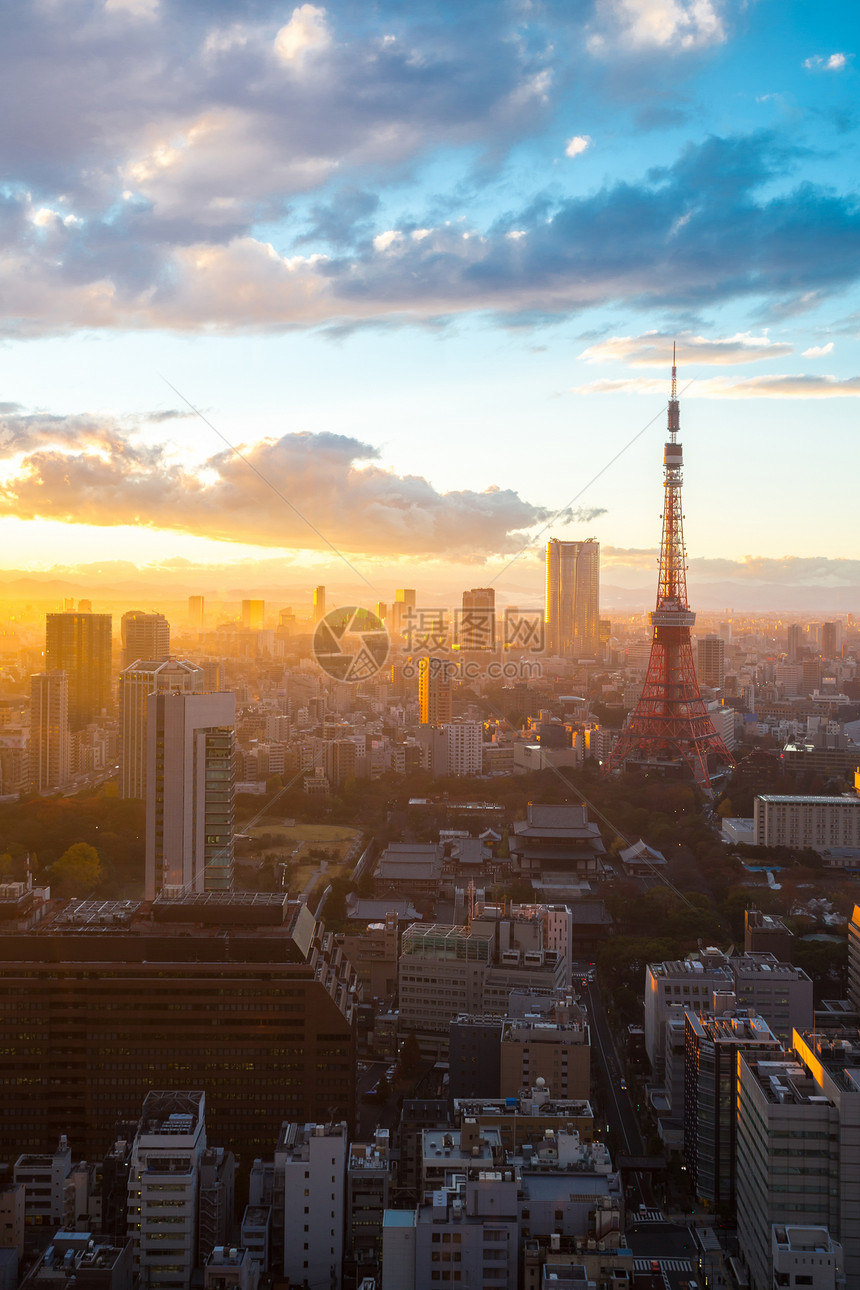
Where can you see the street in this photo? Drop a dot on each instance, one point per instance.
(623, 1120)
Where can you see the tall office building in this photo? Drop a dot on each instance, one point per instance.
(795, 641)
(143, 636)
(319, 603)
(711, 1047)
(476, 632)
(400, 613)
(435, 691)
(253, 613)
(710, 661)
(136, 683)
(80, 645)
(195, 613)
(831, 639)
(50, 744)
(189, 792)
(187, 992)
(572, 598)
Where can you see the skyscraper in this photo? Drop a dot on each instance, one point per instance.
(189, 792)
(710, 661)
(80, 645)
(143, 636)
(195, 613)
(136, 683)
(831, 639)
(253, 613)
(476, 630)
(319, 603)
(572, 598)
(435, 691)
(50, 745)
(401, 611)
(795, 641)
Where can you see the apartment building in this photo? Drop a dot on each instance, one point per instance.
(816, 822)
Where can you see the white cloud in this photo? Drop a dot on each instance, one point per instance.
(306, 30)
(211, 168)
(672, 25)
(221, 40)
(653, 349)
(818, 351)
(835, 63)
(85, 470)
(720, 387)
(134, 8)
(384, 241)
(577, 145)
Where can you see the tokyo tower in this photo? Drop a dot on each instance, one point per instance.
(670, 727)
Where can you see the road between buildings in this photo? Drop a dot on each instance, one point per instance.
(619, 1108)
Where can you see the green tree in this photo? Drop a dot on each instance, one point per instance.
(77, 872)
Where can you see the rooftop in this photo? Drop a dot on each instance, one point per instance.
(172, 1113)
(398, 1218)
(809, 1240)
(792, 799)
(787, 1083)
(195, 928)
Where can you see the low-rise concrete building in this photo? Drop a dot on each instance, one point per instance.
(806, 1256)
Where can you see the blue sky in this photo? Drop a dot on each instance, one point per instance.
(425, 264)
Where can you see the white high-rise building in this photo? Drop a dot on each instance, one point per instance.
(50, 741)
(162, 1188)
(313, 1159)
(189, 792)
(464, 740)
(136, 683)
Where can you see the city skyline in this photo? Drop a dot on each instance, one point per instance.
(494, 252)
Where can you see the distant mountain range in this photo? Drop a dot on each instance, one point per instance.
(146, 589)
(765, 597)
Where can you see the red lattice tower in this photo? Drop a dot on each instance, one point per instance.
(670, 726)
